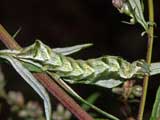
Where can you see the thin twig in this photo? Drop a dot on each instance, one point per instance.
(47, 82)
(150, 33)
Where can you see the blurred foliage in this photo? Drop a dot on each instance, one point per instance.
(19, 108)
(156, 107)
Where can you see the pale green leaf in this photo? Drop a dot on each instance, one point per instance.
(74, 94)
(30, 79)
(155, 68)
(110, 83)
(72, 49)
(31, 67)
(16, 33)
(91, 99)
(156, 107)
(137, 9)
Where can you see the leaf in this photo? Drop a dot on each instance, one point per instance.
(155, 68)
(91, 99)
(30, 79)
(133, 9)
(74, 94)
(111, 83)
(31, 67)
(137, 9)
(16, 33)
(72, 49)
(156, 107)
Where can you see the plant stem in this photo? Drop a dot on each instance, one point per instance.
(150, 33)
(47, 82)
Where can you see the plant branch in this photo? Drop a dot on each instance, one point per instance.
(150, 33)
(47, 82)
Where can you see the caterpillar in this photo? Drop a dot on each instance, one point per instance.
(81, 71)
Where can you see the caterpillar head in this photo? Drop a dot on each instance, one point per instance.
(141, 68)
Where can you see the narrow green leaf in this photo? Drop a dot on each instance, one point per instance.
(133, 9)
(16, 33)
(30, 79)
(156, 107)
(91, 99)
(111, 83)
(31, 67)
(155, 68)
(74, 94)
(137, 9)
(72, 49)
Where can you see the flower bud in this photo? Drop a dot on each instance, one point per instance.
(137, 90)
(118, 3)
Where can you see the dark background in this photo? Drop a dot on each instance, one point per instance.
(60, 23)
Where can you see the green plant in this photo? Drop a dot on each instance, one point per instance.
(107, 71)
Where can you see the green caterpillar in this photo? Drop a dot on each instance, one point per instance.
(80, 71)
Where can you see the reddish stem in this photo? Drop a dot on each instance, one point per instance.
(47, 82)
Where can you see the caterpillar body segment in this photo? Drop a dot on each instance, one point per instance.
(41, 53)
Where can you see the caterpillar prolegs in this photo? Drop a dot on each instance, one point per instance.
(81, 71)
